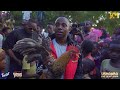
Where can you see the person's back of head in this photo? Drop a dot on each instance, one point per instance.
(87, 65)
(87, 47)
(95, 49)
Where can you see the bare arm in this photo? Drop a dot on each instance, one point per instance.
(12, 55)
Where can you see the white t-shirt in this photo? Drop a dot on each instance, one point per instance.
(60, 49)
(1, 40)
(26, 15)
(45, 34)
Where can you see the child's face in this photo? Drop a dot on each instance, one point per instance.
(2, 60)
(115, 52)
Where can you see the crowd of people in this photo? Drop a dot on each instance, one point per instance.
(95, 50)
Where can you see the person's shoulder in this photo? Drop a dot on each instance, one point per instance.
(105, 62)
(20, 30)
(1, 36)
(12, 32)
(15, 32)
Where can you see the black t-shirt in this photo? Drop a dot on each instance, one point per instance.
(13, 37)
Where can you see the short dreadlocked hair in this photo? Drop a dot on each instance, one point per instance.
(87, 46)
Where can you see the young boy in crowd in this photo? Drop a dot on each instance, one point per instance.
(82, 71)
(87, 67)
(87, 48)
(112, 65)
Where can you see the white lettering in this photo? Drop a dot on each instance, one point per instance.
(17, 75)
(5, 75)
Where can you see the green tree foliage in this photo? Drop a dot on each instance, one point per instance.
(17, 16)
(76, 16)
